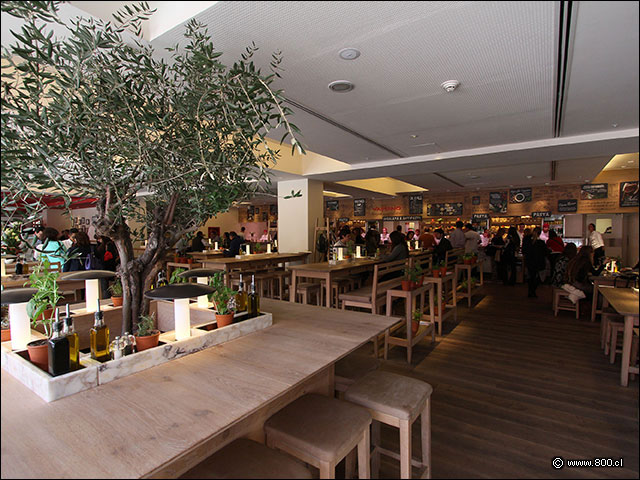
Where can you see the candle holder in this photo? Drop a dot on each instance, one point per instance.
(202, 277)
(17, 300)
(180, 294)
(91, 283)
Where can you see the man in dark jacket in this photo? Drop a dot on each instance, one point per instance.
(234, 245)
(535, 258)
(440, 250)
(197, 245)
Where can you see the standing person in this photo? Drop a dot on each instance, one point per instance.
(471, 239)
(544, 234)
(70, 240)
(384, 236)
(536, 261)
(372, 242)
(443, 245)
(357, 236)
(242, 235)
(457, 237)
(39, 240)
(197, 245)
(51, 248)
(78, 252)
(510, 250)
(410, 235)
(265, 237)
(496, 248)
(521, 230)
(485, 238)
(595, 241)
(555, 243)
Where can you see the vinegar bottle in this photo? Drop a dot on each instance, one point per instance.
(241, 297)
(99, 337)
(58, 350)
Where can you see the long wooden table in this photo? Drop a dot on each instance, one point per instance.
(252, 262)
(625, 302)
(19, 281)
(162, 421)
(325, 271)
(207, 254)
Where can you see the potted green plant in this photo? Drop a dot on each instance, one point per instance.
(224, 300)
(466, 258)
(175, 276)
(443, 268)
(412, 275)
(41, 309)
(147, 335)
(116, 292)
(415, 323)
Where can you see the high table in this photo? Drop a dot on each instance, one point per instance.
(162, 421)
(325, 271)
(252, 262)
(207, 254)
(625, 302)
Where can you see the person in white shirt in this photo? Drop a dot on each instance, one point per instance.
(595, 241)
(384, 236)
(265, 237)
(544, 235)
(472, 238)
(457, 237)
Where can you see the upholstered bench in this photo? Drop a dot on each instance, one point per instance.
(351, 368)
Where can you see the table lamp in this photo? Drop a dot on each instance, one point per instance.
(340, 254)
(180, 294)
(17, 299)
(202, 277)
(358, 251)
(91, 283)
(248, 248)
(268, 248)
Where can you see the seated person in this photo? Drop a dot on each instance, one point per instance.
(384, 236)
(197, 245)
(410, 235)
(443, 244)
(555, 243)
(234, 245)
(427, 241)
(559, 273)
(265, 237)
(78, 252)
(358, 237)
(399, 249)
(372, 241)
(579, 269)
(343, 237)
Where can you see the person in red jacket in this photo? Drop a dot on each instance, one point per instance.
(555, 243)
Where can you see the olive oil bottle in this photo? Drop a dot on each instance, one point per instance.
(99, 337)
(74, 343)
(241, 297)
(58, 350)
(253, 300)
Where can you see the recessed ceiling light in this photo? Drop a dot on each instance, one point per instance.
(623, 166)
(529, 177)
(341, 86)
(414, 136)
(349, 53)
(450, 85)
(547, 183)
(614, 125)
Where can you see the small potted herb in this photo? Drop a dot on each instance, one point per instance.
(224, 300)
(116, 292)
(466, 258)
(146, 336)
(415, 324)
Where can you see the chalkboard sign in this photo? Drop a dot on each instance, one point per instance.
(444, 209)
(273, 210)
(541, 214)
(479, 217)
(403, 218)
(498, 202)
(415, 204)
(343, 219)
(568, 206)
(475, 200)
(629, 194)
(332, 205)
(594, 191)
(519, 195)
(359, 207)
(250, 213)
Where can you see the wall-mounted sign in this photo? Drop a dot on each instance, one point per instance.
(359, 207)
(479, 217)
(332, 205)
(250, 213)
(541, 214)
(594, 191)
(568, 206)
(475, 200)
(273, 210)
(402, 218)
(444, 209)
(629, 194)
(343, 219)
(415, 204)
(498, 202)
(265, 216)
(519, 195)
(386, 209)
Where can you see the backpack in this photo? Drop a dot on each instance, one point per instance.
(322, 245)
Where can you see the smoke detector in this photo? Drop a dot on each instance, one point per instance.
(341, 86)
(450, 85)
(349, 53)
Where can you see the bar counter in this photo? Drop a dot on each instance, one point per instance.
(162, 421)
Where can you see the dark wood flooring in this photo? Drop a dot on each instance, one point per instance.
(515, 387)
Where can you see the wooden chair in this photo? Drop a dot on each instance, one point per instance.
(424, 260)
(373, 297)
(396, 400)
(608, 315)
(321, 431)
(561, 302)
(244, 458)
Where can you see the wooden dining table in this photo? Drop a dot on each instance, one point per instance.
(252, 262)
(625, 302)
(161, 422)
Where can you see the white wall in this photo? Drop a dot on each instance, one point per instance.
(297, 216)
(630, 245)
(227, 222)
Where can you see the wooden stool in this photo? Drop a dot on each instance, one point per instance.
(608, 315)
(321, 431)
(397, 401)
(264, 283)
(561, 302)
(338, 286)
(613, 330)
(351, 368)
(305, 289)
(245, 458)
(281, 276)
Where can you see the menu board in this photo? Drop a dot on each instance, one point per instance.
(498, 202)
(415, 204)
(519, 195)
(541, 214)
(343, 220)
(594, 191)
(475, 200)
(403, 218)
(444, 209)
(359, 207)
(332, 205)
(273, 210)
(250, 213)
(568, 206)
(629, 194)
(479, 217)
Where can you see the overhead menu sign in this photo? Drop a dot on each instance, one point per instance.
(479, 217)
(359, 207)
(332, 205)
(594, 191)
(403, 218)
(541, 214)
(444, 209)
(498, 202)
(415, 204)
(519, 195)
(568, 206)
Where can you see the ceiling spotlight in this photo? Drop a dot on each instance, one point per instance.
(614, 125)
(529, 177)
(341, 86)
(630, 161)
(349, 53)
(547, 183)
(623, 166)
(414, 136)
(450, 85)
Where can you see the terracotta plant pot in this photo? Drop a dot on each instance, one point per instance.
(467, 261)
(176, 259)
(435, 273)
(117, 301)
(407, 285)
(148, 341)
(443, 271)
(474, 260)
(224, 320)
(6, 334)
(414, 327)
(39, 354)
(190, 261)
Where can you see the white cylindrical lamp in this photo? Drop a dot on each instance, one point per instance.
(215, 246)
(182, 318)
(340, 254)
(4, 268)
(17, 300)
(268, 248)
(248, 248)
(203, 300)
(358, 251)
(91, 284)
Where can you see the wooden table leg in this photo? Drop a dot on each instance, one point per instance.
(469, 286)
(440, 312)
(433, 318)
(327, 290)
(292, 287)
(594, 304)
(626, 350)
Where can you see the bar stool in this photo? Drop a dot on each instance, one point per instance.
(397, 401)
(614, 329)
(244, 458)
(608, 315)
(351, 368)
(306, 289)
(321, 431)
(561, 302)
(281, 277)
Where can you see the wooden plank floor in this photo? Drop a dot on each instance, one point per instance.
(515, 387)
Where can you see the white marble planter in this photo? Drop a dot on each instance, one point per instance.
(96, 373)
